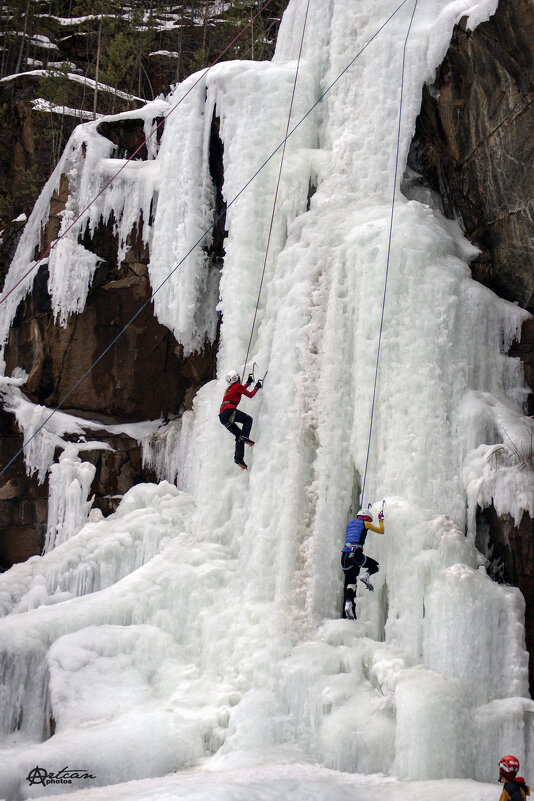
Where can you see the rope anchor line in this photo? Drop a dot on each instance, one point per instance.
(362, 495)
(203, 235)
(277, 185)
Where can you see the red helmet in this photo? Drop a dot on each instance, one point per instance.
(508, 766)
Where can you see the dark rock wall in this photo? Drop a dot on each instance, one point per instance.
(31, 143)
(474, 145)
(155, 56)
(23, 502)
(510, 553)
(143, 376)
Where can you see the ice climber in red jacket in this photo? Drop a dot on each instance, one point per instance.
(229, 414)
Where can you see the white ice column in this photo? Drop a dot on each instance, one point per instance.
(68, 507)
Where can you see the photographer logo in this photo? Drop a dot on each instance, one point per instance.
(64, 776)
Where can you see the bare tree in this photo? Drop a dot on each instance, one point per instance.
(24, 36)
(97, 67)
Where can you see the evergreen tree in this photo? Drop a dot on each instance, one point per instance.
(117, 60)
(54, 88)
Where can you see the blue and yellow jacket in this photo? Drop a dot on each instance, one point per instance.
(357, 532)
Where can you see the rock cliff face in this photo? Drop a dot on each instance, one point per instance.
(60, 65)
(33, 141)
(145, 376)
(474, 145)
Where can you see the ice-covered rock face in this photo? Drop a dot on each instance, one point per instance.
(218, 602)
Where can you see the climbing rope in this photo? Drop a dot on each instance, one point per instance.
(277, 186)
(362, 496)
(136, 151)
(199, 240)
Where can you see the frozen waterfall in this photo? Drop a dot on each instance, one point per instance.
(199, 624)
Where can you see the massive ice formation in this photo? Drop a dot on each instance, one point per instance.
(202, 618)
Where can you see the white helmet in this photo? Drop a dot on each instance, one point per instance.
(232, 377)
(365, 513)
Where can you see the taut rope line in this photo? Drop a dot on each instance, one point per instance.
(206, 232)
(362, 496)
(277, 185)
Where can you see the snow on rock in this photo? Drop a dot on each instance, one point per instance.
(43, 429)
(87, 164)
(70, 478)
(40, 104)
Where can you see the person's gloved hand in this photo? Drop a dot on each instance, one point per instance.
(381, 515)
(250, 379)
(259, 383)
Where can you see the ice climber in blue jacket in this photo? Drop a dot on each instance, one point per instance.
(353, 557)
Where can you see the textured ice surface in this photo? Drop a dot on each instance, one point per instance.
(216, 601)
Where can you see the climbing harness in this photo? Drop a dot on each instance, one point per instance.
(347, 556)
(362, 496)
(230, 421)
(206, 232)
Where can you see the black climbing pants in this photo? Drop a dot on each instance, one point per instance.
(229, 418)
(351, 562)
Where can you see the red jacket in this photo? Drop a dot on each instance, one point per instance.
(232, 396)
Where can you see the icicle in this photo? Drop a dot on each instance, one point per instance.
(68, 508)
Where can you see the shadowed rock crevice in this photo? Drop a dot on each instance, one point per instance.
(128, 135)
(216, 251)
(509, 550)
